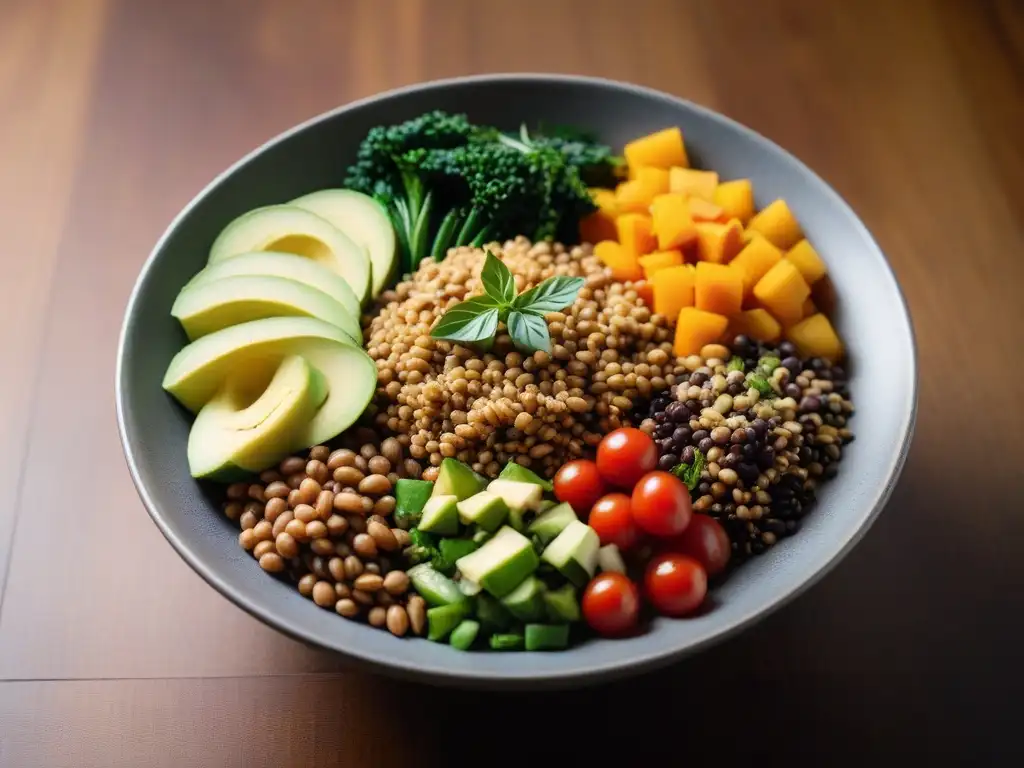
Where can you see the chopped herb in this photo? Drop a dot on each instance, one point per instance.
(690, 473)
(767, 364)
(761, 384)
(737, 364)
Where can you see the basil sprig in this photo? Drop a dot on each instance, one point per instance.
(475, 321)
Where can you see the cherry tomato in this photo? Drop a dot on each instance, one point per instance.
(675, 584)
(611, 604)
(612, 518)
(626, 455)
(579, 484)
(661, 504)
(706, 541)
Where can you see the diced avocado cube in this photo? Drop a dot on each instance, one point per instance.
(491, 613)
(485, 509)
(463, 635)
(518, 496)
(500, 564)
(410, 496)
(508, 642)
(480, 535)
(453, 549)
(545, 505)
(456, 479)
(513, 471)
(562, 605)
(440, 516)
(444, 618)
(526, 602)
(551, 523)
(433, 586)
(547, 637)
(609, 559)
(574, 552)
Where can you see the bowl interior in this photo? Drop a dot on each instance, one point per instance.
(870, 315)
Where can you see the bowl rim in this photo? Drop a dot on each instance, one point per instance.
(467, 676)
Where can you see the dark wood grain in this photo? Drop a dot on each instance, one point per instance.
(122, 109)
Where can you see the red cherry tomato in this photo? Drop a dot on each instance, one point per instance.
(675, 584)
(706, 541)
(579, 484)
(611, 604)
(612, 518)
(626, 455)
(661, 504)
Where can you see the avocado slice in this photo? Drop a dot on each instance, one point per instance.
(257, 348)
(609, 559)
(456, 479)
(549, 524)
(462, 636)
(485, 509)
(212, 305)
(526, 602)
(561, 604)
(289, 229)
(574, 552)
(519, 473)
(410, 497)
(365, 221)
(547, 637)
(434, 587)
(500, 564)
(440, 516)
(517, 495)
(442, 619)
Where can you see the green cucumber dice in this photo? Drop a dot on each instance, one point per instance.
(442, 619)
(562, 605)
(433, 586)
(526, 602)
(462, 636)
(519, 473)
(551, 523)
(547, 637)
(507, 642)
(410, 496)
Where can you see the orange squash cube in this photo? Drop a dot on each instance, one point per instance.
(635, 233)
(718, 243)
(754, 261)
(600, 225)
(654, 262)
(645, 291)
(702, 210)
(736, 198)
(815, 337)
(654, 179)
(782, 291)
(696, 328)
(622, 262)
(807, 261)
(673, 289)
(757, 324)
(718, 288)
(777, 223)
(693, 183)
(633, 197)
(672, 223)
(661, 149)
(808, 308)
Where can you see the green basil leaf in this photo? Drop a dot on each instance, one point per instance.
(497, 280)
(529, 331)
(690, 473)
(553, 295)
(472, 320)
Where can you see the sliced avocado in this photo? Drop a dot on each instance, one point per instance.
(463, 635)
(440, 516)
(232, 437)
(500, 564)
(288, 229)
(485, 509)
(365, 221)
(507, 642)
(410, 497)
(492, 613)
(521, 474)
(480, 535)
(456, 479)
(547, 637)
(526, 602)
(562, 604)
(444, 618)
(549, 524)
(517, 495)
(609, 559)
(257, 348)
(434, 587)
(574, 552)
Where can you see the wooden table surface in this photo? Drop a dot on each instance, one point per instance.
(113, 113)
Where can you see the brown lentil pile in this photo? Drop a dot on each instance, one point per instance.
(323, 521)
(766, 451)
(441, 399)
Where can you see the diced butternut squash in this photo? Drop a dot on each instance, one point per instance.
(622, 262)
(694, 183)
(645, 291)
(604, 199)
(718, 243)
(600, 225)
(702, 210)
(815, 337)
(654, 262)
(736, 198)
(777, 223)
(673, 289)
(672, 223)
(633, 197)
(754, 260)
(654, 179)
(807, 261)
(635, 234)
(808, 308)
(782, 291)
(661, 149)
(757, 324)
(696, 328)
(718, 288)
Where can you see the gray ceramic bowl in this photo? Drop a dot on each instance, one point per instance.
(871, 315)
